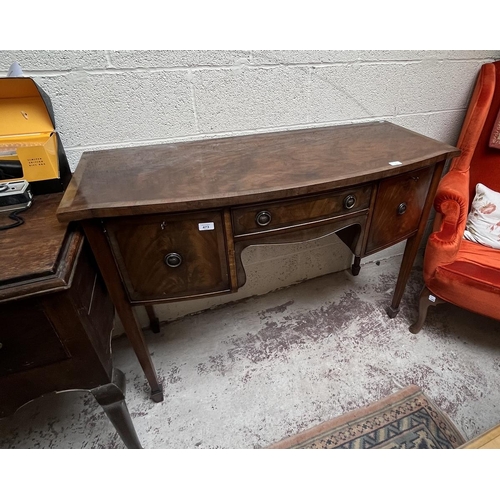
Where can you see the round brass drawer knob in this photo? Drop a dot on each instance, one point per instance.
(349, 201)
(173, 259)
(263, 218)
(402, 208)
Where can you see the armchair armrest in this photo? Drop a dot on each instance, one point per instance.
(452, 205)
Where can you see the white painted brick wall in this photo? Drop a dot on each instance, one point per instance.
(108, 99)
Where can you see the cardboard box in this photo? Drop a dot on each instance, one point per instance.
(30, 147)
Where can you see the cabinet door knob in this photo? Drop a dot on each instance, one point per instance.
(173, 259)
(349, 201)
(401, 208)
(263, 218)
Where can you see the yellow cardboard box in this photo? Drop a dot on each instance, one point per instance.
(28, 137)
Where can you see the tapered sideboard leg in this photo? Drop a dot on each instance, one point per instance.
(125, 311)
(413, 243)
(154, 322)
(111, 397)
(356, 266)
(404, 273)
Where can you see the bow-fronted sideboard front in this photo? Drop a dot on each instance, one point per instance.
(169, 222)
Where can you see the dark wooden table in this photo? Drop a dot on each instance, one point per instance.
(56, 317)
(169, 222)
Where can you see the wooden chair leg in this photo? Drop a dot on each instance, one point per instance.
(426, 299)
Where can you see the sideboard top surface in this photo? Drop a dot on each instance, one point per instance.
(235, 170)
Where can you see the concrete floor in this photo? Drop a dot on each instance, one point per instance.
(248, 374)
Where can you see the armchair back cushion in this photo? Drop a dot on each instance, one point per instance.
(485, 162)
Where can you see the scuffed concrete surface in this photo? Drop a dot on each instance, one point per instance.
(251, 373)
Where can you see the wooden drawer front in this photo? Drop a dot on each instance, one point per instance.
(27, 338)
(277, 215)
(141, 245)
(398, 208)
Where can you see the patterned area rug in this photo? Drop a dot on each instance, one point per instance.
(405, 420)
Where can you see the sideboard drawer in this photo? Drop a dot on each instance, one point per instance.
(170, 256)
(398, 208)
(277, 215)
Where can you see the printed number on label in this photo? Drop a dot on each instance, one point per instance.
(206, 226)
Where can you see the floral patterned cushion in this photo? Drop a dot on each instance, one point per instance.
(483, 222)
(495, 133)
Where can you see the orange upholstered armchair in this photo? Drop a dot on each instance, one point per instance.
(457, 270)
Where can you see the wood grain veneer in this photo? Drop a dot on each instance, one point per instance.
(139, 204)
(245, 169)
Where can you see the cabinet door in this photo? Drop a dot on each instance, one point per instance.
(398, 208)
(27, 338)
(164, 257)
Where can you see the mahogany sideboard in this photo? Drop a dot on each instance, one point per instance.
(169, 222)
(56, 317)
